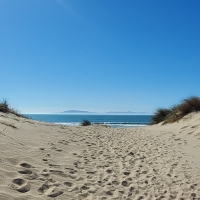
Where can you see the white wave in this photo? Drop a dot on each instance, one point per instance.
(125, 125)
(115, 125)
(69, 123)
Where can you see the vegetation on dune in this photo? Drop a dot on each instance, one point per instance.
(85, 123)
(5, 108)
(188, 105)
(160, 115)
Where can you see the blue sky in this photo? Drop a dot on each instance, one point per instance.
(98, 55)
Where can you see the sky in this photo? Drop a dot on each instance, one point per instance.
(98, 55)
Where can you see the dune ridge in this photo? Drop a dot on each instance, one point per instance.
(45, 161)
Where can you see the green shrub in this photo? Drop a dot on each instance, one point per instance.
(85, 123)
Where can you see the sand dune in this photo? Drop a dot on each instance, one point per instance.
(45, 161)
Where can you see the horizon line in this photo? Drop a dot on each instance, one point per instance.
(90, 113)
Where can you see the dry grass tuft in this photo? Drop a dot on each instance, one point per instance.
(4, 107)
(160, 115)
(188, 105)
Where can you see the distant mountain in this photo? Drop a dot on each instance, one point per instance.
(125, 112)
(111, 112)
(76, 111)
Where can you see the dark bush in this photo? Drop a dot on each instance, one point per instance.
(160, 115)
(4, 106)
(193, 102)
(188, 105)
(85, 123)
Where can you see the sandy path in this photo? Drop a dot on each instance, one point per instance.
(43, 161)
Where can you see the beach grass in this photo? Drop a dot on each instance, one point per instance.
(160, 115)
(5, 108)
(188, 105)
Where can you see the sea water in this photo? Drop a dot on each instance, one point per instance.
(109, 120)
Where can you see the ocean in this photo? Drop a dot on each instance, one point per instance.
(109, 120)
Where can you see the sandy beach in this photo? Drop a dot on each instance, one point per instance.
(45, 161)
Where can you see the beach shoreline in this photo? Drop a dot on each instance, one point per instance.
(112, 120)
(47, 161)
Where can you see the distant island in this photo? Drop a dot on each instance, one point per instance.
(76, 111)
(125, 112)
(110, 112)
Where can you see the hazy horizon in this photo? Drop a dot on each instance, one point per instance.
(99, 113)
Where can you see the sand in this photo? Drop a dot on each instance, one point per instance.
(45, 161)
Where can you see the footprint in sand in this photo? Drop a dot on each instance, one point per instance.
(195, 126)
(45, 172)
(25, 165)
(58, 172)
(59, 150)
(48, 155)
(109, 171)
(26, 171)
(20, 185)
(50, 189)
(84, 187)
(65, 142)
(126, 173)
(56, 149)
(184, 127)
(68, 184)
(126, 182)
